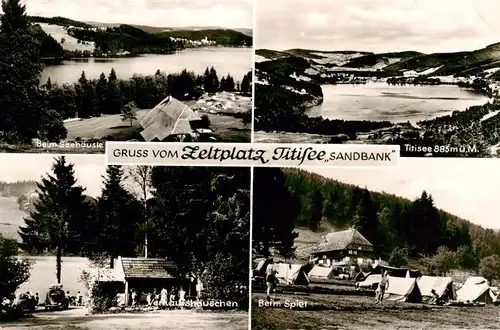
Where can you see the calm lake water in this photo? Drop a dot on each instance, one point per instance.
(380, 101)
(236, 61)
(43, 274)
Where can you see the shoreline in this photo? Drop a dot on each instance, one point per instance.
(414, 124)
(133, 55)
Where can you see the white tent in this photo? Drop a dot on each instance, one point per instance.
(476, 289)
(403, 289)
(427, 283)
(321, 273)
(288, 274)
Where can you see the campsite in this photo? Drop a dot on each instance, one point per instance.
(366, 258)
(328, 301)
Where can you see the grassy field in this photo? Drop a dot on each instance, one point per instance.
(167, 320)
(349, 312)
(58, 33)
(224, 111)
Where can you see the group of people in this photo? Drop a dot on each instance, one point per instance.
(75, 300)
(158, 298)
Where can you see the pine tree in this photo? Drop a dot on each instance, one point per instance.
(316, 210)
(21, 104)
(59, 215)
(102, 93)
(227, 235)
(274, 213)
(365, 219)
(119, 217)
(211, 81)
(229, 83)
(112, 75)
(206, 80)
(223, 87)
(179, 208)
(48, 84)
(114, 103)
(246, 83)
(14, 16)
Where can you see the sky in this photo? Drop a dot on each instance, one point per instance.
(161, 13)
(89, 169)
(427, 26)
(468, 187)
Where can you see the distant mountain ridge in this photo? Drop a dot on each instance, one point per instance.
(453, 63)
(146, 28)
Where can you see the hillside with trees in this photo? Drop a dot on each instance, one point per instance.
(140, 39)
(17, 189)
(37, 111)
(401, 230)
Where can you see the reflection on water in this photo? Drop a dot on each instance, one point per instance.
(236, 61)
(380, 101)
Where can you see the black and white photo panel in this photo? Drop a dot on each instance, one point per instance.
(91, 246)
(76, 73)
(420, 74)
(414, 246)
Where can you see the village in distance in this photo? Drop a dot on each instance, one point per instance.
(87, 82)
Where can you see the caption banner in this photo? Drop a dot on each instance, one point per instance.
(249, 154)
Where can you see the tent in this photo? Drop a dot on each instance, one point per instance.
(361, 276)
(396, 272)
(321, 273)
(476, 289)
(288, 274)
(442, 285)
(403, 289)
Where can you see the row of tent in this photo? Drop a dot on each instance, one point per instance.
(406, 289)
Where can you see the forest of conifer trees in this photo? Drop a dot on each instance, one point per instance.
(401, 230)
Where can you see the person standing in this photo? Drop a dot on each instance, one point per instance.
(134, 297)
(271, 280)
(79, 299)
(383, 285)
(163, 298)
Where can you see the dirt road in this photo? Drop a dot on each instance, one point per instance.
(74, 319)
(349, 312)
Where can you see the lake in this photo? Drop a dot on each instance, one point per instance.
(380, 101)
(236, 61)
(43, 274)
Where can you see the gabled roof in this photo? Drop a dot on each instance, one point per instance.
(169, 117)
(340, 240)
(148, 268)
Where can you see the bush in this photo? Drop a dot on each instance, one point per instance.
(223, 283)
(489, 268)
(103, 296)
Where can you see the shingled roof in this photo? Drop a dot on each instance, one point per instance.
(148, 268)
(342, 240)
(169, 117)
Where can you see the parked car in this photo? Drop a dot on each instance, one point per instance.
(25, 302)
(56, 298)
(371, 282)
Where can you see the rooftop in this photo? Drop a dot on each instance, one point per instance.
(341, 240)
(169, 117)
(148, 268)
